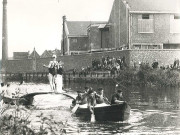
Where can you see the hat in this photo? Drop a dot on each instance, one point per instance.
(2, 84)
(99, 89)
(80, 91)
(86, 87)
(54, 56)
(90, 91)
(60, 62)
(119, 91)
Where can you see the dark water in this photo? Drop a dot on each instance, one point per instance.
(153, 111)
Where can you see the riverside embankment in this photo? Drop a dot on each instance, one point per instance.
(141, 77)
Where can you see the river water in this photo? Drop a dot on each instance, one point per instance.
(153, 111)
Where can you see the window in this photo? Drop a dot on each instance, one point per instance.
(154, 47)
(146, 46)
(145, 16)
(171, 46)
(74, 40)
(176, 16)
(137, 46)
(146, 23)
(175, 23)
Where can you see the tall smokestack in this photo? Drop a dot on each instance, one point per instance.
(4, 37)
(63, 44)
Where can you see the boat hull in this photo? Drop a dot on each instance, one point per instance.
(119, 112)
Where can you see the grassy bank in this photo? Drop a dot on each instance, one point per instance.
(149, 77)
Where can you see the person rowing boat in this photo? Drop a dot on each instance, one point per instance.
(100, 97)
(117, 98)
(91, 102)
(103, 112)
(81, 99)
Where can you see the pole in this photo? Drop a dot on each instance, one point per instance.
(4, 37)
(63, 44)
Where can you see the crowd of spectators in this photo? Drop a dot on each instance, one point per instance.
(112, 64)
(155, 65)
(109, 64)
(115, 65)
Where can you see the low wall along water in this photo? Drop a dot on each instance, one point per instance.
(164, 57)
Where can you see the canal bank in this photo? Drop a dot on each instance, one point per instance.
(144, 76)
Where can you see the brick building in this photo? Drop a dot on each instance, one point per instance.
(20, 55)
(133, 24)
(84, 36)
(141, 24)
(75, 37)
(98, 35)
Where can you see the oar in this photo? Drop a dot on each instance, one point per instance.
(106, 100)
(68, 95)
(75, 108)
(93, 116)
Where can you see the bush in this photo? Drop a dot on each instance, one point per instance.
(147, 75)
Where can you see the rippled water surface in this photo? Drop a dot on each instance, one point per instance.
(153, 111)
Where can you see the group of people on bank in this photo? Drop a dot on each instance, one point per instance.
(55, 75)
(92, 98)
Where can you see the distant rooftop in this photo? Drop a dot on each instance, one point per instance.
(34, 54)
(20, 55)
(80, 27)
(155, 5)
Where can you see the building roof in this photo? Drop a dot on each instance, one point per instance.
(20, 55)
(172, 6)
(49, 53)
(34, 54)
(79, 27)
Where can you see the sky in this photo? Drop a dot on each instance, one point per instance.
(38, 23)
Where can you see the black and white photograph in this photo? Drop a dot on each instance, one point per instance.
(90, 67)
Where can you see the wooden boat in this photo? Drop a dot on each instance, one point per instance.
(26, 99)
(9, 100)
(119, 112)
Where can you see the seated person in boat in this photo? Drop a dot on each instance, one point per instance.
(91, 101)
(86, 89)
(117, 98)
(99, 96)
(80, 99)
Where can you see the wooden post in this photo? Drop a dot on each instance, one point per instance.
(33, 76)
(69, 77)
(41, 75)
(29, 76)
(26, 77)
